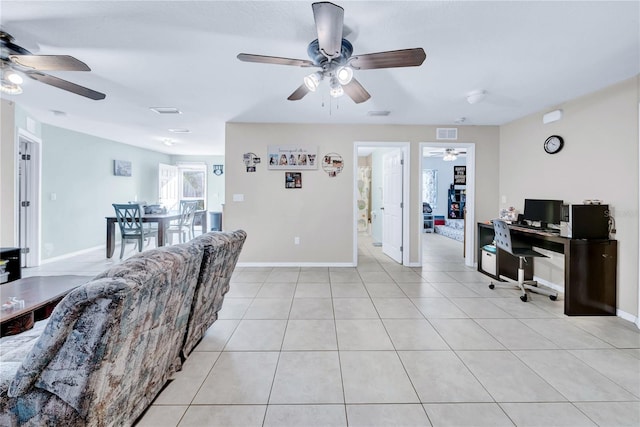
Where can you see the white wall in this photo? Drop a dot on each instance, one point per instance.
(322, 212)
(599, 161)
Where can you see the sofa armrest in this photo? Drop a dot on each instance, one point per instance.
(58, 361)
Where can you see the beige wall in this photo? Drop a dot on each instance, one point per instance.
(599, 161)
(321, 213)
(8, 224)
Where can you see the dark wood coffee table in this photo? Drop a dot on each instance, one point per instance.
(40, 295)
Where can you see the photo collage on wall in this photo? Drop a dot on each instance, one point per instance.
(291, 157)
(332, 164)
(293, 180)
(250, 161)
(294, 157)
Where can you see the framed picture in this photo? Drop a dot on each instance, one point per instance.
(332, 164)
(460, 175)
(293, 180)
(250, 161)
(292, 157)
(121, 168)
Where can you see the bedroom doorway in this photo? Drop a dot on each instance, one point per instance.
(453, 165)
(383, 217)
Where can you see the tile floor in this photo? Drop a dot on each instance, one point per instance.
(387, 345)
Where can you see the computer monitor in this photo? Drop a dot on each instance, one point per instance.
(544, 211)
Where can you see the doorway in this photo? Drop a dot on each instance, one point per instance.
(29, 220)
(445, 182)
(388, 225)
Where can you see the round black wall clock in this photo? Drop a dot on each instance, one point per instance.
(553, 144)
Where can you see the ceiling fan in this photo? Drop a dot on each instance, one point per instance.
(333, 55)
(16, 58)
(447, 154)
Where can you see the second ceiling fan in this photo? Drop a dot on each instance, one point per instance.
(334, 56)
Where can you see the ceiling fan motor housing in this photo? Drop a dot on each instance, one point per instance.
(319, 59)
(7, 47)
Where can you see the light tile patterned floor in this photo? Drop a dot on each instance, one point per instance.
(386, 345)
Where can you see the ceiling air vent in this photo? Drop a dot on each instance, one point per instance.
(450, 134)
(381, 113)
(165, 110)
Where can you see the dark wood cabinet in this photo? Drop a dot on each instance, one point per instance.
(12, 255)
(593, 277)
(590, 275)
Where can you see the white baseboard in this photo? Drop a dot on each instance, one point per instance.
(72, 254)
(619, 313)
(627, 316)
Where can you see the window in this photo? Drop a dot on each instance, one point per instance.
(193, 183)
(430, 187)
(186, 181)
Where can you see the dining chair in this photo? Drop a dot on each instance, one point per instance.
(184, 226)
(129, 216)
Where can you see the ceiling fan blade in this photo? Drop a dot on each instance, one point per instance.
(298, 93)
(65, 85)
(390, 59)
(50, 62)
(356, 92)
(247, 57)
(329, 24)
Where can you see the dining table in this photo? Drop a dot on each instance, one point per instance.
(163, 220)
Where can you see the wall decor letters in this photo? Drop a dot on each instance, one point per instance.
(292, 157)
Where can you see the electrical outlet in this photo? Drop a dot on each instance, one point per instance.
(296, 240)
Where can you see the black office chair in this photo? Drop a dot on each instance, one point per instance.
(522, 251)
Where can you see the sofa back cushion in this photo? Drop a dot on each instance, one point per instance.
(221, 252)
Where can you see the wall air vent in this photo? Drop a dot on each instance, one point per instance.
(450, 134)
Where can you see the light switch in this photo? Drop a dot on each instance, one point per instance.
(238, 197)
(54, 196)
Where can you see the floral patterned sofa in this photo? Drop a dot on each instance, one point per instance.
(452, 228)
(111, 344)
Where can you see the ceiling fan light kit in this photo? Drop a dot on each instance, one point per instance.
(312, 81)
(450, 155)
(14, 77)
(10, 88)
(344, 75)
(334, 56)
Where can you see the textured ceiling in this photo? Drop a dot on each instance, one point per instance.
(528, 56)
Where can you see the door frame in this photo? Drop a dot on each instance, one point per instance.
(405, 147)
(471, 195)
(34, 195)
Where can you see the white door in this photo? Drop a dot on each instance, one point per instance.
(168, 186)
(392, 165)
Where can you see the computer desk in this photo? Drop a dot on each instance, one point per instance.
(590, 267)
